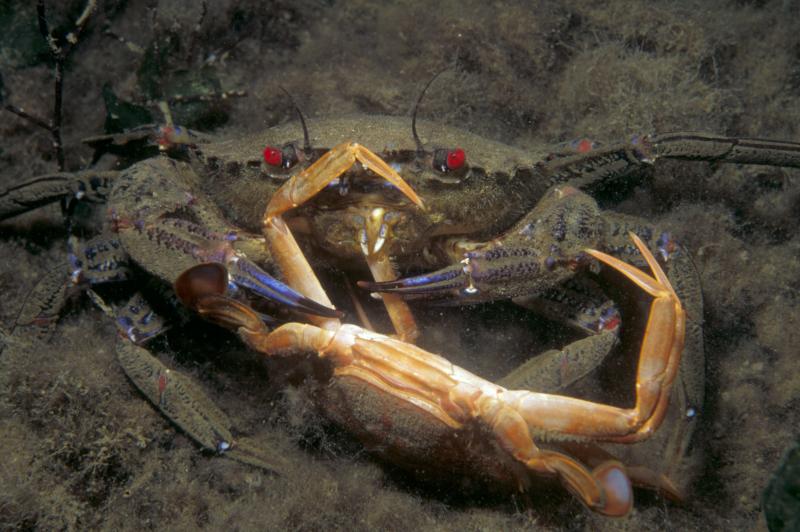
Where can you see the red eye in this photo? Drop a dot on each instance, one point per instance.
(449, 160)
(584, 146)
(456, 159)
(273, 156)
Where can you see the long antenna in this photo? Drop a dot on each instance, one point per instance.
(306, 141)
(420, 147)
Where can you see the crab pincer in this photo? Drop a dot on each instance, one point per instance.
(302, 187)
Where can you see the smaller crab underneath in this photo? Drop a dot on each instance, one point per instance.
(414, 380)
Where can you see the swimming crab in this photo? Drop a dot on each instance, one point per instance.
(498, 221)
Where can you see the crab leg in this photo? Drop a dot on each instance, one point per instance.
(707, 147)
(373, 238)
(659, 360)
(45, 189)
(600, 165)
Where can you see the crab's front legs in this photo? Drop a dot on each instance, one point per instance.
(302, 187)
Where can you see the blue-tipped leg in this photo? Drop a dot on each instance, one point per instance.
(448, 282)
(247, 275)
(485, 275)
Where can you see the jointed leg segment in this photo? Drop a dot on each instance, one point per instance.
(658, 367)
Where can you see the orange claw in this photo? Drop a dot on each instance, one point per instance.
(662, 345)
(336, 161)
(659, 359)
